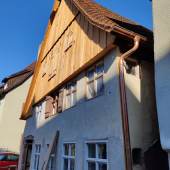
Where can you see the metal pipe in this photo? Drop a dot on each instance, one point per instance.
(124, 108)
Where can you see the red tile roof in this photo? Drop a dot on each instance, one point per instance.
(108, 20)
(16, 79)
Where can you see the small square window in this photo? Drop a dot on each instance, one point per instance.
(97, 156)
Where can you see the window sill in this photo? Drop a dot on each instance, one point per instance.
(69, 108)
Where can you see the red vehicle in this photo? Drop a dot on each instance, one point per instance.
(8, 161)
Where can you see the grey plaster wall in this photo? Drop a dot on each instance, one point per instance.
(141, 109)
(100, 118)
(96, 119)
(161, 15)
(11, 127)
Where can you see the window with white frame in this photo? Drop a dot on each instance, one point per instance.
(38, 112)
(37, 156)
(96, 157)
(95, 85)
(71, 95)
(69, 156)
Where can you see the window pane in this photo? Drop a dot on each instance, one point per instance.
(100, 86)
(38, 158)
(65, 164)
(3, 157)
(74, 99)
(73, 86)
(90, 90)
(68, 101)
(72, 164)
(102, 166)
(68, 88)
(51, 163)
(91, 150)
(39, 148)
(90, 75)
(102, 151)
(72, 149)
(12, 157)
(91, 166)
(100, 69)
(66, 149)
(35, 161)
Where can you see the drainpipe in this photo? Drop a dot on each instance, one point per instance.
(124, 108)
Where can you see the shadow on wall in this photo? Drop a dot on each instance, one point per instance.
(162, 84)
(147, 113)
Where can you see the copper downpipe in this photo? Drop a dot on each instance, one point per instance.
(124, 108)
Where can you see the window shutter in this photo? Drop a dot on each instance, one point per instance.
(60, 100)
(48, 106)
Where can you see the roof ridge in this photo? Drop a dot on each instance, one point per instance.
(29, 68)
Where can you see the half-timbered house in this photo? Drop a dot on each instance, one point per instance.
(91, 103)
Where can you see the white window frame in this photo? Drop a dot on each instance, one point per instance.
(68, 157)
(36, 157)
(38, 113)
(69, 93)
(94, 80)
(96, 160)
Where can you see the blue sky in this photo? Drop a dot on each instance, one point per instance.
(23, 24)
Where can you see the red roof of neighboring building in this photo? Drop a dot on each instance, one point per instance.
(16, 79)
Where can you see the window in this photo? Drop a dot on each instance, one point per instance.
(37, 156)
(51, 163)
(71, 95)
(12, 157)
(95, 85)
(38, 112)
(69, 156)
(97, 156)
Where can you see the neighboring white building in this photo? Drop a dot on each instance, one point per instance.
(89, 108)
(13, 92)
(161, 16)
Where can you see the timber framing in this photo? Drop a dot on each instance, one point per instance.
(100, 20)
